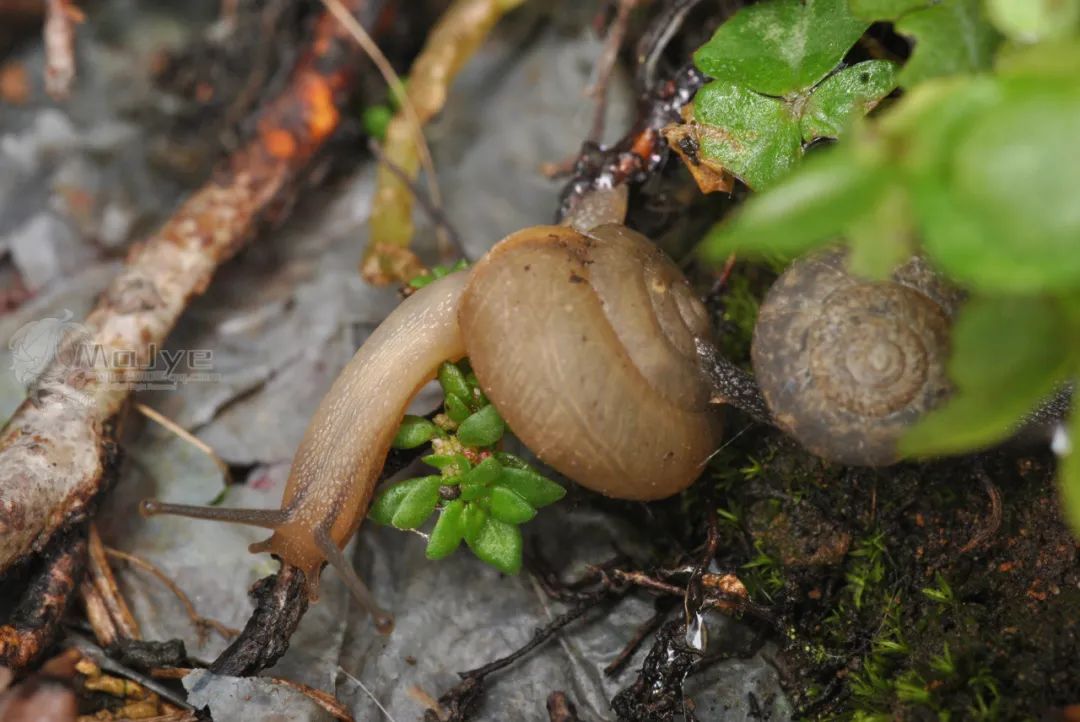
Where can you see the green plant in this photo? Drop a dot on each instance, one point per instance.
(975, 166)
(482, 494)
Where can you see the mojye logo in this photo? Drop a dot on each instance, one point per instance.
(58, 356)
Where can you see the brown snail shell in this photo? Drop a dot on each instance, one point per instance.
(585, 343)
(846, 365)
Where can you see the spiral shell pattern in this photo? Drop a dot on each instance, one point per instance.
(846, 364)
(585, 342)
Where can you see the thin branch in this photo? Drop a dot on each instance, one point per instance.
(187, 436)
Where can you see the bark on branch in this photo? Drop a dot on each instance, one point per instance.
(52, 451)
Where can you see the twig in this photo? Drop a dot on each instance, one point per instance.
(453, 39)
(324, 700)
(34, 623)
(100, 575)
(605, 64)
(460, 701)
(994, 522)
(560, 708)
(434, 212)
(643, 631)
(53, 452)
(201, 623)
(97, 655)
(187, 436)
(61, 16)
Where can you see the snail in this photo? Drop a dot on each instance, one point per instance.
(585, 342)
(846, 365)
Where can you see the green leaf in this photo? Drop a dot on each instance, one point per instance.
(871, 10)
(1000, 213)
(453, 381)
(1030, 21)
(1069, 471)
(484, 473)
(1007, 356)
(951, 37)
(483, 428)
(845, 96)
(448, 532)
(882, 239)
(388, 501)
(417, 505)
(498, 544)
(509, 507)
(446, 461)
(456, 408)
(472, 492)
(511, 461)
(759, 140)
(415, 431)
(777, 47)
(537, 490)
(472, 520)
(807, 209)
(375, 119)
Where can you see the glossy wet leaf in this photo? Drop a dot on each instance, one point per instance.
(498, 544)
(777, 47)
(884, 9)
(845, 96)
(483, 473)
(1029, 21)
(418, 504)
(452, 380)
(759, 139)
(810, 207)
(1001, 213)
(446, 461)
(415, 431)
(456, 408)
(473, 519)
(509, 507)
(537, 490)
(386, 504)
(950, 38)
(482, 428)
(448, 532)
(1008, 355)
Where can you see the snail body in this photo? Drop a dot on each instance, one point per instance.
(846, 365)
(585, 342)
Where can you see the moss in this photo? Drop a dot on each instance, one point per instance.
(889, 617)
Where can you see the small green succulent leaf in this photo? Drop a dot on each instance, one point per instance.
(452, 380)
(456, 408)
(507, 506)
(778, 47)
(473, 491)
(758, 140)
(418, 504)
(415, 431)
(457, 462)
(510, 461)
(388, 501)
(1007, 357)
(484, 473)
(498, 544)
(810, 207)
(448, 532)
(871, 10)
(483, 428)
(1070, 471)
(472, 520)
(375, 120)
(537, 490)
(845, 96)
(952, 37)
(1032, 21)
